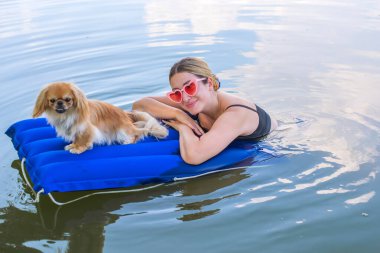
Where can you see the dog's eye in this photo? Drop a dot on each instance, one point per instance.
(52, 100)
(67, 99)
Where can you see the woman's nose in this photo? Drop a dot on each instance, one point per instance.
(185, 97)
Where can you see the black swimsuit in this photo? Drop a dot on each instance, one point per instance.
(262, 129)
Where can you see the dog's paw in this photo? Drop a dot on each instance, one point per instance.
(140, 124)
(68, 147)
(159, 131)
(77, 150)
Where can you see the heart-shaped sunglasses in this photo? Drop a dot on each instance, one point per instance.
(191, 89)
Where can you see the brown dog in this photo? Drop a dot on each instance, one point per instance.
(85, 122)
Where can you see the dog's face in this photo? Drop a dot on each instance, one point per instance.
(59, 98)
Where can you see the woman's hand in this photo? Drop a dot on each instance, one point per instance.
(182, 118)
(174, 124)
(178, 125)
(163, 108)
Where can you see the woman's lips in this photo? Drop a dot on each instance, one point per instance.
(190, 104)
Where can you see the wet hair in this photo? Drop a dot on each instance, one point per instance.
(197, 67)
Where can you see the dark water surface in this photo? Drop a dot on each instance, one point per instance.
(314, 64)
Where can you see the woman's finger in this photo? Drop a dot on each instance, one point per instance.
(197, 129)
(200, 129)
(191, 124)
(167, 122)
(194, 128)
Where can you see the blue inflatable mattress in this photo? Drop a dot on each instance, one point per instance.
(52, 169)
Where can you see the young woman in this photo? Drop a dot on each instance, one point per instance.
(207, 119)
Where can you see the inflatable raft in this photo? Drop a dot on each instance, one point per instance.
(150, 161)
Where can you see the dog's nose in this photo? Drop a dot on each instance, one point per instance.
(59, 103)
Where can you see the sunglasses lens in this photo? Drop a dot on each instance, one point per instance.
(191, 88)
(176, 96)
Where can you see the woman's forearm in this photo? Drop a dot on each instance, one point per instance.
(189, 144)
(156, 108)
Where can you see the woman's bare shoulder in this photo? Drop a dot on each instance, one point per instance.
(228, 99)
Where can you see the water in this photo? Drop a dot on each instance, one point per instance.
(314, 65)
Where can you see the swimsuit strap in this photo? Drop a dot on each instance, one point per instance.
(247, 107)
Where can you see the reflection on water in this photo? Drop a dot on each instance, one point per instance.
(82, 224)
(190, 17)
(314, 65)
(361, 199)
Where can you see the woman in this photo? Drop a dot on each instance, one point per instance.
(207, 119)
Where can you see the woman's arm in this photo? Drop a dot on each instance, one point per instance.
(158, 107)
(196, 150)
(163, 108)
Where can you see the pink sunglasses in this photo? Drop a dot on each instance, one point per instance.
(191, 89)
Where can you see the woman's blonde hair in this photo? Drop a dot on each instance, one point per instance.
(195, 66)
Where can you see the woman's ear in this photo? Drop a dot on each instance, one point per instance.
(41, 103)
(209, 83)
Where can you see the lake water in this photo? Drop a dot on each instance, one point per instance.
(315, 65)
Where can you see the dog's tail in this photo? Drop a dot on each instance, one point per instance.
(149, 125)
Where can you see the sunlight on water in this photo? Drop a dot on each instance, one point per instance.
(48, 246)
(257, 201)
(361, 199)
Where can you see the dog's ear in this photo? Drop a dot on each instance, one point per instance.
(41, 103)
(80, 102)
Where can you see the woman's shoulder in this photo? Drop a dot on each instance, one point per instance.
(231, 101)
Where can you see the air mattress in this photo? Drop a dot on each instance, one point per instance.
(52, 169)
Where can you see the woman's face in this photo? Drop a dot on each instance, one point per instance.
(192, 104)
